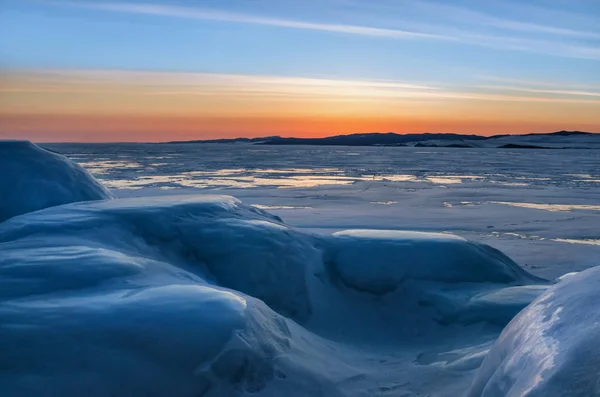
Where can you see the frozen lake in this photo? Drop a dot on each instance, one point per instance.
(540, 207)
(182, 291)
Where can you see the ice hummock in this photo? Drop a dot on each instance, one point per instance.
(205, 296)
(34, 178)
(551, 348)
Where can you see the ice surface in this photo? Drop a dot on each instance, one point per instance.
(551, 348)
(167, 293)
(110, 298)
(203, 295)
(395, 255)
(537, 206)
(34, 178)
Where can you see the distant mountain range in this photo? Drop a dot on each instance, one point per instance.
(553, 140)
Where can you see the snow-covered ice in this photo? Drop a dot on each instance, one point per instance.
(551, 348)
(34, 178)
(168, 293)
(205, 295)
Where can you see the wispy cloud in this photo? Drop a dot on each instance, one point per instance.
(424, 32)
(164, 84)
(536, 84)
(113, 101)
(532, 27)
(475, 17)
(542, 91)
(196, 13)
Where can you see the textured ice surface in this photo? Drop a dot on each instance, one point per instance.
(160, 293)
(551, 348)
(540, 207)
(203, 295)
(34, 178)
(165, 296)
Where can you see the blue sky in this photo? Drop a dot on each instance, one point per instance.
(449, 40)
(538, 48)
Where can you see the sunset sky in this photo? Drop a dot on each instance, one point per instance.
(161, 71)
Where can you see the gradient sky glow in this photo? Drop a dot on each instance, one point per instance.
(156, 71)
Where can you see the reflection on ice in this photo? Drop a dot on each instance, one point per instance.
(298, 171)
(586, 241)
(166, 167)
(221, 172)
(270, 177)
(551, 207)
(118, 174)
(243, 182)
(104, 167)
(392, 178)
(585, 176)
(279, 207)
(243, 171)
(452, 179)
(123, 184)
(516, 184)
(443, 180)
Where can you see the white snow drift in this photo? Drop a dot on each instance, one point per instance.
(205, 296)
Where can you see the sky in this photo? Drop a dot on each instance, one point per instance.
(94, 71)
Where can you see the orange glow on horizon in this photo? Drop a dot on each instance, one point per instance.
(83, 128)
(96, 106)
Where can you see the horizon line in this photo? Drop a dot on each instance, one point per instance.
(305, 138)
